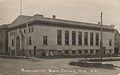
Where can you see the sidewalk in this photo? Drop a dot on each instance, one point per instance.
(117, 58)
(15, 57)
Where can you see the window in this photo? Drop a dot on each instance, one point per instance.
(13, 42)
(59, 37)
(73, 38)
(66, 37)
(30, 40)
(86, 51)
(91, 39)
(79, 51)
(66, 52)
(85, 38)
(32, 29)
(97, 51)
(30, 52)
(97, 39)
(110, 51)
(29, 29)
(44, 40)
(110, 42)
(79, 38)
(20, 31)
(10, 34)
(91, 51)
(24, 30)
(73, 51)
(14, 33)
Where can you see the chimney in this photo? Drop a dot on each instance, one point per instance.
(38, 16)
(98, 23)
(112, 26)
(54, 17)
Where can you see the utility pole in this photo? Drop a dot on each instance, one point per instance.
(20, 7)
(101, 41)
(0, 19)
(27, 51)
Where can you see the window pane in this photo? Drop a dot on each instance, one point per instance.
(66, 37)
(30, 40)
(91, 39)
(73, 51)
(86, 51)
(110, 42)
(79, 51)
(79, 38)
(73, 38)
(66, 51)
(32, 29)
(97, 39)
(91, 51)
(12, 42)
(86, 38)
(59, 37)
(44, 40)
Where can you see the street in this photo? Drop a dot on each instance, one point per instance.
(35, 66)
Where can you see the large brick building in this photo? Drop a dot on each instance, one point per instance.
(42, 36)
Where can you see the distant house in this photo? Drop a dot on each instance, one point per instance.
(4, 39)
(42, 36)
(117, 42)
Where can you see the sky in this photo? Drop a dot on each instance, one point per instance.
(76, 10)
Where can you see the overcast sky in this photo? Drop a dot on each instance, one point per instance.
(76, 10)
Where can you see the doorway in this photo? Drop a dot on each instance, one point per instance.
(17, 45)
(34, 50)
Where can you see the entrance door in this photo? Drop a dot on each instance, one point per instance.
(34, 50)
(17, 45)
(59, 52)
(116, 51)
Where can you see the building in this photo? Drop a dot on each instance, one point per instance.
(41, 36)
(4, 39)
(117, 42)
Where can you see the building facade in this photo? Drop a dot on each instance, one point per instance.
(41, 36)
(117, 42)
(4, 39)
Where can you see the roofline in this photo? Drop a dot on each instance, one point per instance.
(117, 32)
(46, 23)
(60, 21)
(4, 26)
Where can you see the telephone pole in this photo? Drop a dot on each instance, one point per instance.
(101, 41)
(27, 31)
(20, 7)
(1, 20)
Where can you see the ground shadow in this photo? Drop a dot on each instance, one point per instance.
(87, 64)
